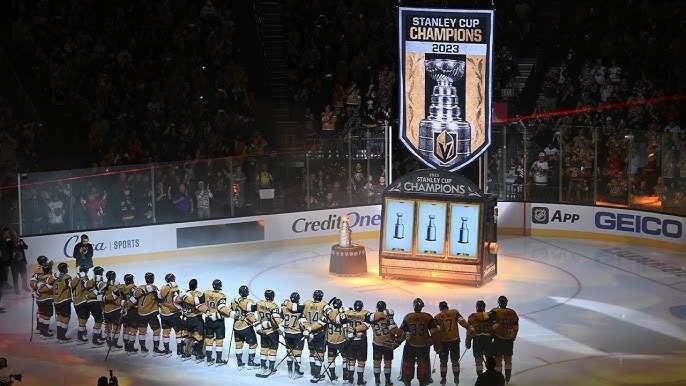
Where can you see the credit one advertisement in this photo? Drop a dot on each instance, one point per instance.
(445, 67)
(609, 221)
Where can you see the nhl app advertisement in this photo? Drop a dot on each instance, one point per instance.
(445, 84)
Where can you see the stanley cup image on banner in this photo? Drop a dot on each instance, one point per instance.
(445, 84)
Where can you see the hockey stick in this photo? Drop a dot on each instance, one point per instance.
(118, 326)
(433, 367)
(288, 354)
(33, 305)
(462, 356)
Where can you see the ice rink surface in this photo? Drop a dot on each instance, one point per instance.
(591, 313)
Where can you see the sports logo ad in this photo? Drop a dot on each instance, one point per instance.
(445, 84)
(539, 215)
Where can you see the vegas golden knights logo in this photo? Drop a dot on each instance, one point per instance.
(444, 146)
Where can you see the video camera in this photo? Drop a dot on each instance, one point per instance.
(8, 380)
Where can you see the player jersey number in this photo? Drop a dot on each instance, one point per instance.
(507, 323)
(212, 304)
(313, 317)
(335, 330)
(448, 325)
(290, 321)
(417, 329)
(57, 288)
(381, 329)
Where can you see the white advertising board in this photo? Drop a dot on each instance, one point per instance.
(605, 221)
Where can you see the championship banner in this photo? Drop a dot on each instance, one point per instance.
(445, 84)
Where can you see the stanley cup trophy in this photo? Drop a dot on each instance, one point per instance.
(443, 136)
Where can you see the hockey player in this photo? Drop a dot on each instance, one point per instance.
(243, 314)
(386, 334)
(44, 300)
(336, 337)
(314, 311)
(505, 326)
(420, 329)
(130, 312)
(95, 288)
(170, 315)
(33, 280)
(62, 301)
(215, 309)
(447, 321)
(80, 292)
(479, 337)
(112, 302)
(192, 320)
(269, 319)
(146, 298)
(357, 334)
(293, 325)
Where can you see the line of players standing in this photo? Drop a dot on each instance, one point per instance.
(197, 318)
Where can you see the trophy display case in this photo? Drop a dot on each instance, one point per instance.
(438, 226)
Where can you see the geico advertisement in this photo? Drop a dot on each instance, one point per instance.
(322, 222)
(107, 243)
(618, 222)
(639, 224)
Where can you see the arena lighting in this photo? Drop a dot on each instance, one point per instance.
(595, 108)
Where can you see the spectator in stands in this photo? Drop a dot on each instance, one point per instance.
(56, 211)
(182, 202)
(203, 195)
(540, 171)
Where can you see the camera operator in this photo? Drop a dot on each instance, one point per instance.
(18, 261)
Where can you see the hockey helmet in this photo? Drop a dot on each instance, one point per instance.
(63, 267)
(128, 279)
(98, 271)
(42, 260)
(480, 306)
(83, 268)
(111, 276)
(337, 303)
(418, 304)
(380, 305)
(193, 284)
(216, 284)
(149, 277)
(269, 295)
(318, 295)
(295, 297)
(443, 305)
(502, 301)
(244, 291)
(358, 305)
(169, 277)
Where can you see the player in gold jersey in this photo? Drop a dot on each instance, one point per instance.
(33, 280)
(384, 340)
(447, 321)
(62, 301)
(170, 315)
(215, 309)
(112, 302)
(130, 312)
(193, 323)
(269, 318)
(44, 299)
(79, 295)
(293, 326)
(314, 311)
(95, 287)
(420, 329)
(505, 326)
(147, 298)
(479, 337)
(336, 338)
(357, 346)
(243, 314)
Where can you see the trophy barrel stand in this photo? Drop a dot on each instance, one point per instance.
(348, 261)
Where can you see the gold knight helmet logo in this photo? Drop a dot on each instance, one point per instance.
(444, 146)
